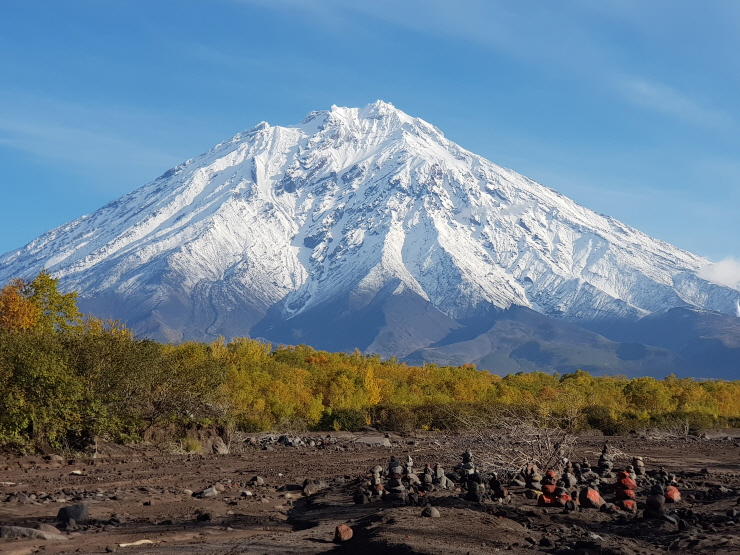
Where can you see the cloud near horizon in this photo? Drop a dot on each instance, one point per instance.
(725, 272)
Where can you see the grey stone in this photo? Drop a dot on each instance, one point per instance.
(312, 487)
(79, 513)
(430, 512)
(219, 447)
(209, 492)
(374, 440)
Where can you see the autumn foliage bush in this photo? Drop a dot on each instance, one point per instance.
(65, 379)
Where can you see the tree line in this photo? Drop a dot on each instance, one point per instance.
(65, 379)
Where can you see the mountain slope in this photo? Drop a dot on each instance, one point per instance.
(341, 216)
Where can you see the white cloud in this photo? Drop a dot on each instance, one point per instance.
(667, 100)
(725, 272)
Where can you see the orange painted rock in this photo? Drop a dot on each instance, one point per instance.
(625, 494)
(546, 499)
(589, 498)
(343, 533)
(626, 483)
(627, 505)
(561, 500)
(672, 495)
(552, 474)
(549, 489)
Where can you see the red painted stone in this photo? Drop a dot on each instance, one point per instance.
(626, 483)
(549, 489)
(552, 474)
(625, 494)
(546, 499)
(590, 499)
(672, 495)
(627, 505)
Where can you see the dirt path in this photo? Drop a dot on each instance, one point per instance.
(137, 494)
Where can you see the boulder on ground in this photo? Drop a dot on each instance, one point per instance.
(342, 533)
(629, 505)
(430, 512)
(218, 446)
(374, 440)
(312, 487)
(655, 501)
(625, 494)
(208, 492)
(609, 508)
(625, 482)
(590, 498)
(546, 499)
(79, 513)
(672, 495)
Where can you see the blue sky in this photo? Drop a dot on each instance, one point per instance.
(630, 108)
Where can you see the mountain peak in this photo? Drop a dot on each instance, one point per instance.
(350, 206)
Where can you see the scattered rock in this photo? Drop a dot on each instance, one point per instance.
(672, 495)
(628, 505)
(79, 513)
(218, 446)
(312, 487)
(203, 516)
(590, 498)
(374, 440)
(208, 492)
(430, 512)
(342, 533)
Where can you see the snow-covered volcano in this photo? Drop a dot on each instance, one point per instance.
(346, 210)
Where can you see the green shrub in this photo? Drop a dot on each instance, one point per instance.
(349, 420)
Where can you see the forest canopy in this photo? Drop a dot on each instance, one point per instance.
(65, 379)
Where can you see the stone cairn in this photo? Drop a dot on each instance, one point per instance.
(569, 487)
(606, 463)
(394, 488)
(625, 494)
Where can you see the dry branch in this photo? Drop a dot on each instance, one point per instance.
(505, 441)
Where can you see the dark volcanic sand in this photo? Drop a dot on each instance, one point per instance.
(120, 482)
